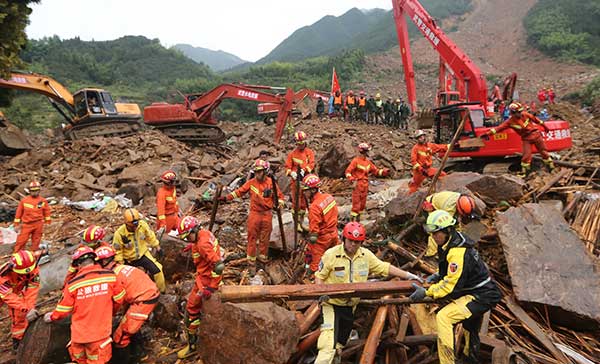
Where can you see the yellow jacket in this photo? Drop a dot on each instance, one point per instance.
(132, 246)
(337, 267)
(445, 200)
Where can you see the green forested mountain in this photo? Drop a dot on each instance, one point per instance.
(569, 30)
(216, 60)
(372, 31)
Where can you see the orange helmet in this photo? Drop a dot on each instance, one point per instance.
(186, 225)
(131, 216)
(516, 107)
(465, 205)
(34, 186)
(83, 252)
(23, 262)
(428, 204)
(311, 181)
(364, 147)
(354, 231)
(168, 177)
(260, 165)
(105, 252)
(300, 137)
(93, 234)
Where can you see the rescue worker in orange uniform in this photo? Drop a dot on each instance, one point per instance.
(259, 223)
(93, 237)
(91, 297)
(300, 162)
(358, 170)
(32, 213)
(362, 106)
(350, 106)
(167, 209)
(323, 220)
(338, 101)
(208, 260)
(19, 287)
(141, 295)
(523, 123)
(421, 160)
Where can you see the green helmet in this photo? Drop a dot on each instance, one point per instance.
(438, 220)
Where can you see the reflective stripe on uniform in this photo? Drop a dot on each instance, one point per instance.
(28, 205)
(60, 308)
(89, 282)
(329, 207)
(138, 315)
(298, 161)
(119, 296)
(364, 168)
(161, 217)
(103, 345)
(254, 189)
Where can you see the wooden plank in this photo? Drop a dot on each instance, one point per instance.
(471, 143)
(370, 350)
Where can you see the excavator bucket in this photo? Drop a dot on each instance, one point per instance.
(425, 119)
(12, 139)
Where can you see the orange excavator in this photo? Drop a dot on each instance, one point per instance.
(463, 94)
(192, 121)
(269, 110)
(89, 112)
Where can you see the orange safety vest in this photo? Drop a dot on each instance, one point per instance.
(337, 100)
(350, 100)
(362, 101)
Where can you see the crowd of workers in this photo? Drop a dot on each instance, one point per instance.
(125, 272)
(371, 110)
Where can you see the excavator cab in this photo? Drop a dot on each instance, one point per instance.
(93, 102)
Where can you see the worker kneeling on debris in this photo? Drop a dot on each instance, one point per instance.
(131, 241)
(347, 263)
(141, 295)
(208, 260)
(463, 277)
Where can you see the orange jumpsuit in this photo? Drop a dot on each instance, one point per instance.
(141, 294)
(206, 252)
(323, 220)
(167, 209)
(259, 223)
(31, 214)
(91, 297)
(305, 160)
(19, 292)
(359, 170)
(529, 133)
(421, 160)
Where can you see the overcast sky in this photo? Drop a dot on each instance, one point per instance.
(248, 29)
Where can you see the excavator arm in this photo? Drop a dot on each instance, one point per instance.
(40, 84)
(470, 81)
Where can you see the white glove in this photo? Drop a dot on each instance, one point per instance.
(294, 175)
(32, 315)
(48, 317)
(413, 277)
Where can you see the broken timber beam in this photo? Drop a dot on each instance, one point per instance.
(370, 350)
(298, 292)
(410, 256)
(312, 314)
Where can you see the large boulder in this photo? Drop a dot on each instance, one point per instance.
(457, 181)
(334, 162)
(549, 264)
(401, 209)
(249, 333)
(493, 189)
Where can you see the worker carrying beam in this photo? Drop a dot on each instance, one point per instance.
(132, 241)
(359, 170)
(32, 213)
(90, 297)
(141, 297)
(460, 206)
(208, 259)
(299, 163)
(19, 287)
(260, 217)
(167, 209)
(421, 159)
(347, 263)
(523, 123)
(464, 278)
(323, 220)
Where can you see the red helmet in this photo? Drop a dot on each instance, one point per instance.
(186, 225)
(168, 176)
(93, 234)
(260, 165)
(350, 92)
(34, 186)
(428, 204)
(311, 181)
(83, 251)
(364, 147)
(515, 107)
(362, 92)
(23, 262)
(105, 252)
(354, 231)
(465, 205)
(300, 137)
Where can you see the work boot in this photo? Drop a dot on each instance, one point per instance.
(190, 348)
(264, 259)
(525, 169)
(15, 344)
(550, 165)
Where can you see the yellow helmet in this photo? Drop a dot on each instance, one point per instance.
(378, 96)
(131, 215)
(438, 220)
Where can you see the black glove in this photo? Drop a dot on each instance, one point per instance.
(267, 193)
(434, 278)
(125, 240)
(419, 293)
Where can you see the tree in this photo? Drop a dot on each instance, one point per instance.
(14, 17)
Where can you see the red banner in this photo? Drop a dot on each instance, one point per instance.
(335, 85)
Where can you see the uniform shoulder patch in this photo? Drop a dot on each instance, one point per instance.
(453, 267)
(321, 265)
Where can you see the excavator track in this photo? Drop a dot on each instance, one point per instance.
(104, 128)
(192, 133)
